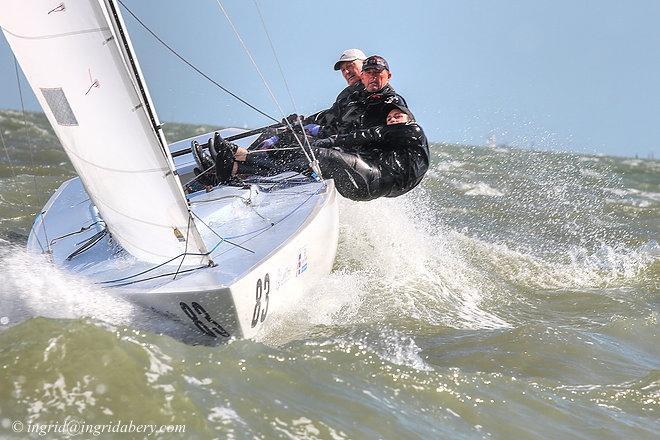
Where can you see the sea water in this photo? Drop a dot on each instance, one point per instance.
(513, 294)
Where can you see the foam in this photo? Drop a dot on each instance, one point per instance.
(604, 266)
(30, 286)
(391, 263)
(483, 189)
(586, 172)
(224, 415)
(477, 189)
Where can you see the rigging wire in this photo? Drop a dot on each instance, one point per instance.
(155, 277)
(254, 234)
(206, 254)
(25, 125)
(31, 150)
(192, 66)
(286, 83)
(277, 60)
(312, 160)
(185, 250)
(11, 164)
(263, 79)
(222, 239)
(196, 178)
(88, 244)
(249, 54)
(70, 234)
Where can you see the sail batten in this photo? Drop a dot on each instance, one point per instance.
(80, 65)
(51, 36)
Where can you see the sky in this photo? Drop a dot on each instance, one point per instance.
(577, 75)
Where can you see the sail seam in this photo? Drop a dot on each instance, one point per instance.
(151, 170)
(137, 220)
(146, 251)
(49, 37)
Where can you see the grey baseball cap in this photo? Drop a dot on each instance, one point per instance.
(350, 55)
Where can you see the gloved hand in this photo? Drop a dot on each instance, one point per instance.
(362, 137)
(268, 143)
(312, 129)
(293, 119)
(324, 143)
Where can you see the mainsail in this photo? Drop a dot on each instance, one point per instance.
(79, 62)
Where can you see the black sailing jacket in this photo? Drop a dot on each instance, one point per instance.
(383, 161)
(356, 109)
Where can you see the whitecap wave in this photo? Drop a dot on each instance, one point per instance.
(392, 263)
(605, 266)
(476, 189)
(30, 286)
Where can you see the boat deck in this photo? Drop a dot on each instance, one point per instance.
(240, 225)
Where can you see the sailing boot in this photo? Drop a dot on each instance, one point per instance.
(204, 164)
(202, 158)
(213, 150)
(224, 161)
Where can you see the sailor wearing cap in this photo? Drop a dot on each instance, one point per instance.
(372, 147)
(359, 105)
(377, 93)
(350, 64)
(376, 73)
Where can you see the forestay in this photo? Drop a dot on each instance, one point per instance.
(79, 64)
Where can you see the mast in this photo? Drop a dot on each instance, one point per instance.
(118, 21)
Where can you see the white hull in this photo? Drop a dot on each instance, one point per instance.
(282, 241)
(212, 262)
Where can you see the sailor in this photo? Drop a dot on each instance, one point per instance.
(374, 147)
(350, 64)
(358, 106)
(381, 161)
(363, 107)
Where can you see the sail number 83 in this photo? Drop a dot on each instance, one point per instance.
(261, 296)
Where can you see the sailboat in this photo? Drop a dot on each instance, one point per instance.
(212, 262)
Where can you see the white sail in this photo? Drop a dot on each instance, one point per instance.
(79, 64)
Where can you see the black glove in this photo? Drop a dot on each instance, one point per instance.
(373, 134)
(360, 138)
(328, 142)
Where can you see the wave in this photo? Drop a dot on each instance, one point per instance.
(393, 265)
(578, 268)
